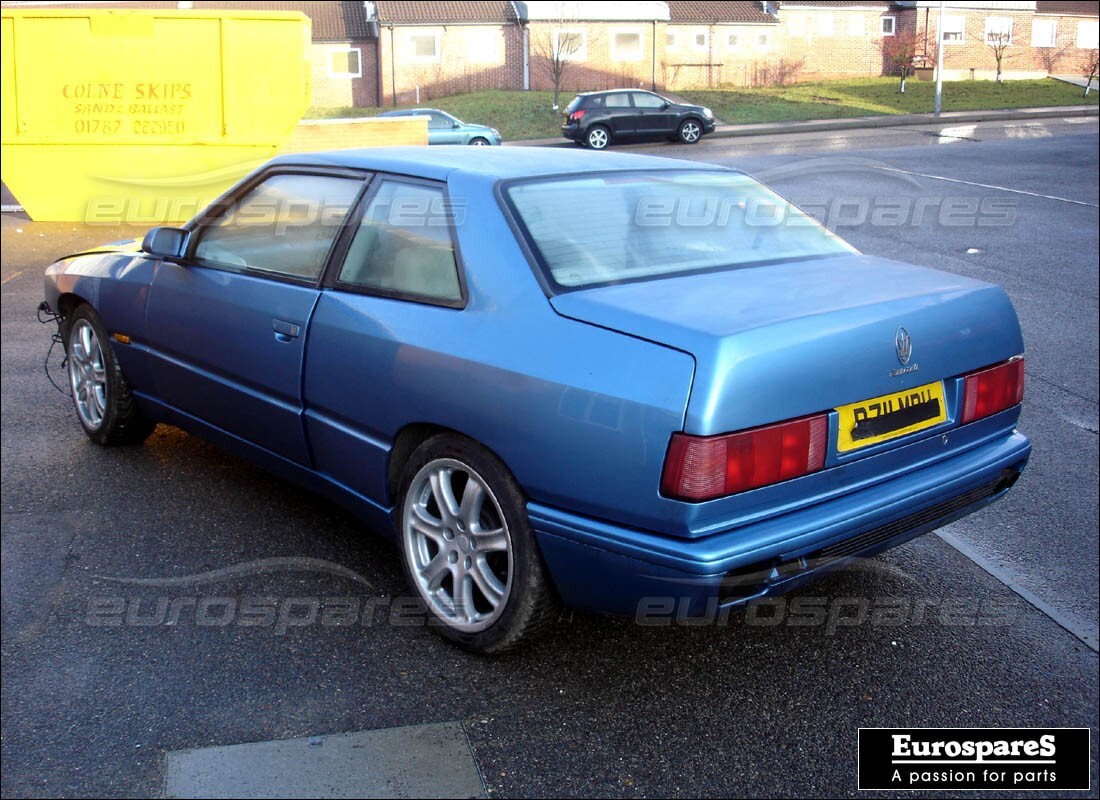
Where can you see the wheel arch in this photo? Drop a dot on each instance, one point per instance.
(409, 438)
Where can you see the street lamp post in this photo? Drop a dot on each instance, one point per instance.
(939, 61)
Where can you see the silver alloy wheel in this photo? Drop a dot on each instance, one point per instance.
(458, 545)
(690, 132)
(87, 374)
(479, 142)
(598, 138)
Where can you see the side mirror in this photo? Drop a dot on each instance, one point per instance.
(166, 243)
(665, 105)
(456, 125)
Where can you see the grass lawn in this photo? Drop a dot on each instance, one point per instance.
(870, 96)
(528, 115)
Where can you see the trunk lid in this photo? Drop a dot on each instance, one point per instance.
(784, 340)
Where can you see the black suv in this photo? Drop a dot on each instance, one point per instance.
(597, 119)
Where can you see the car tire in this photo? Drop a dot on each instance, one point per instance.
(479, 141)
(468, 549)
(102, 396)
(690, 131)
(597, 137)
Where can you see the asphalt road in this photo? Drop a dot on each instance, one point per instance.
(992, 626)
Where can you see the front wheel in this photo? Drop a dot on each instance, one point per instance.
(689, 132)
(598, 137)
(101, 394)
(469, 551)
(478, 141)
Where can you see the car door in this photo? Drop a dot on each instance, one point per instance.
(227, 325)
(393, 306)
(653, 115)
(442, 130)
(621, 115)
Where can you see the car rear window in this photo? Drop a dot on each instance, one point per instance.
(587, 230)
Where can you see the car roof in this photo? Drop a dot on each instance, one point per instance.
(437, 163)
(401, 112)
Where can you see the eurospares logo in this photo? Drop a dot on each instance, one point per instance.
(1042, 759)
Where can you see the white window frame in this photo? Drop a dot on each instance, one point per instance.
(581, 53)
(766, 36)
(825, 25)
(672, 41)
(856, 26)
(332, 51)
(893, 25)
(705, 44)
(616, 55)
(949, 23)
(736, 37)
(477, 51)
(997, 25)
(437, 41)
(1046, 25)
(1088, 34)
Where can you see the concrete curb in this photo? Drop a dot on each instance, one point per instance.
(878, 121)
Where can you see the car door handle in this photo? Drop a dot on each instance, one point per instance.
(285, 331)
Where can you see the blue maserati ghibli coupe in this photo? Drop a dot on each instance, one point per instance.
(601, 380)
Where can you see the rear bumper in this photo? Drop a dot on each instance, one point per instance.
(605, 567)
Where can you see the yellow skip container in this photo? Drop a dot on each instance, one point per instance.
(144, 116)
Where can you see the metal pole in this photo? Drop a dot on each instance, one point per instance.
(939, 61)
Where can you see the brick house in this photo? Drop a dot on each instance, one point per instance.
(835, 38)
(435, 49)
(599, 45)
(723, 44)
(1045, 37)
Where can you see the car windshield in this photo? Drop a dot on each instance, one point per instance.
(615, 227)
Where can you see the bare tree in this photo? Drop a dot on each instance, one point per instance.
(899, 51)
(1090, 64)
(556, 47)
(999, 42)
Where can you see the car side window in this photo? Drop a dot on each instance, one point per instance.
(618, 100)
(403, 245)
(646, 100)
(285, 226)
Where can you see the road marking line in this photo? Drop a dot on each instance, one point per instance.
(12, 277)
(990, 186)
(1081, 628)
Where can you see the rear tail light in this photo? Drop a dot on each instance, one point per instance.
(991, 390)
(705, 467)
(576, 116)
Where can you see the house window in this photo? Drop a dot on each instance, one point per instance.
(763, 40)
(672, 41)
(700, 41)
(570, 45)
(483, 45)
(889, 26)
(425, 46)
(733, 40)
(998, 30)
(345, 63)
(626, 46)
(1044, 32)
(953, 28)
(825, 25)
(1088, 34)
(855, 25)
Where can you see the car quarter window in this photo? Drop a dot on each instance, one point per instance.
(403, 245)
(285, 226)
(646, 100)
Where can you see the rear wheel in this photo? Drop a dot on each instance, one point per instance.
(101, 394)
(469, 551)
(689, 131)
(598, 137)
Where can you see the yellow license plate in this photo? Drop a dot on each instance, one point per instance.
(890, 416)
